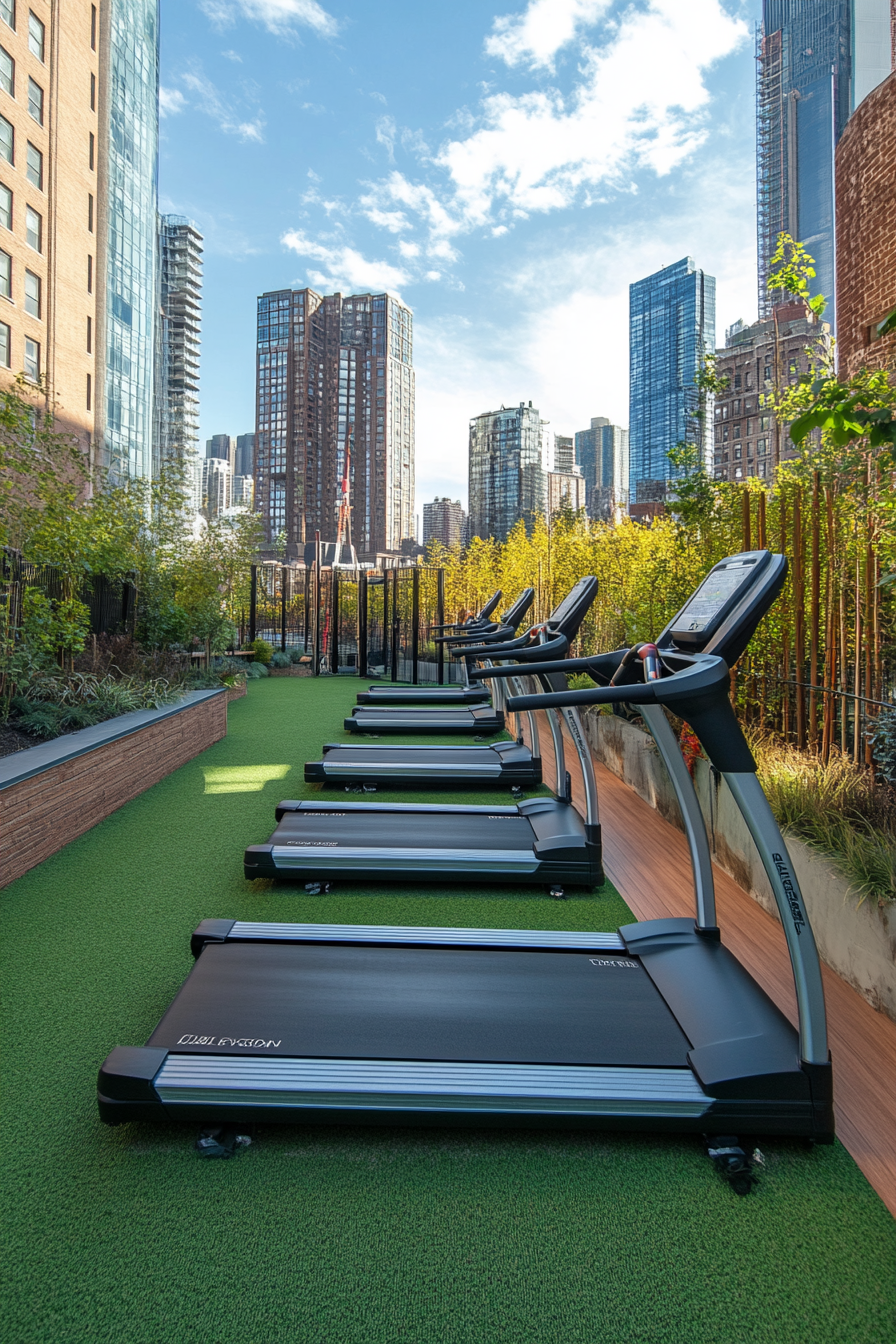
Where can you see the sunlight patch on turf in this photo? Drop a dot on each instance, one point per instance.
(241, 778)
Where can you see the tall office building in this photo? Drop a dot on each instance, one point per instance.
(507, 470)
(222, 446)
(50, 82)
(122, 217)
(176, 432)
(216, 486)
(444, 520)
(672, 325)
(245, 454)
(335, 376)
(603, 458)
(563, 453)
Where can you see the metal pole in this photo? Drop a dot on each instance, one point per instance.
(395, 625)
(387, 651)
(415, 627)
(253, 603)
(362, 626)
(440, 620)
(315, 662)
(283, 608)
(333, 650)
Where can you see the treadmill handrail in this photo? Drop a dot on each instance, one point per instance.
(698, 690)
(526, 656)
(528, 648)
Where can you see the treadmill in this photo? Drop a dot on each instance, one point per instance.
(464, 693)
(539, 841)
(656, 1027)
(494, 764)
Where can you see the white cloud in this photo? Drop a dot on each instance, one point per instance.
(346, 268)
(278, 16)
(232, 56)
(171, 101)
(640, 103)
(208, 100)
(534, 37)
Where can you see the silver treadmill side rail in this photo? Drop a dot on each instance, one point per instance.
(372, 1084)
(531, 939)
(757, 813)
(404, 859)
(660, 730)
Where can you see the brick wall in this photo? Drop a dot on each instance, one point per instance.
(866, 231)
(39, 815)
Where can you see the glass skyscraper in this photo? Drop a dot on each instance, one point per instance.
(672, 325)
(507, 470)
(178, 318)
(603, 455)
(126, 229)
(803, 100)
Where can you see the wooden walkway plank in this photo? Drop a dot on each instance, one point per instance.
(647, 860)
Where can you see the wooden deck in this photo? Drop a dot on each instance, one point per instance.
(647, 860)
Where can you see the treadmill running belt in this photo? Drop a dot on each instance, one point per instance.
(378, 830)
(418, 1003)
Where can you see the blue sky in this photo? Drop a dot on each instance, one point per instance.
(507, 172)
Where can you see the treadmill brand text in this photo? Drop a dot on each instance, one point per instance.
(799, 919)
(248, 1042)
(614, 961)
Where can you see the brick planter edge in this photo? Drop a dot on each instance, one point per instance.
(51, 794)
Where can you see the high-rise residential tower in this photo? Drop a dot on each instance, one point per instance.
(603, 457)
(672, 326)
(335, 380)
(444, 520)
(51, 80)
(508, 480)
(122, 220)
(176, 434)
(223, 446)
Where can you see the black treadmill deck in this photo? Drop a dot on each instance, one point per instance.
(417, 1003)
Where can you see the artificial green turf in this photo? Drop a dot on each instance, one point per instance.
(350, 1235)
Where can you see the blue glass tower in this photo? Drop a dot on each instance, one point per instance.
(803, 98)
(126, 229)
(672, 324)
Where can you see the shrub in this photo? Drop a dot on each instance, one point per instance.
(280, 660)
(254, 671)
(295, 655)
(260, 669)
(264, 651)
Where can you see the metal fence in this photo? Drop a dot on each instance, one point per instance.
(112, 603)
(350, 622)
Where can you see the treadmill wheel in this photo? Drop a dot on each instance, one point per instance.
(220, 1141)
(558, 893)
(732, 1162)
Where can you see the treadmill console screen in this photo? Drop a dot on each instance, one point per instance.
(715, 596)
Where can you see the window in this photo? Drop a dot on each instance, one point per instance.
(90, 151)
(5, 207)
(90, 275)
(7, 141)
(36, 35)
(5, 344)
(35, 169)
(748, 379)
(6, 275)
(749, 429)
(736, 431)
(738, 454)
(738, 472)
(8, 14)
(90, 336)
(724, 433)
(89, 390)
(90, 213)
(760, 470)
(7, 73)
(36, 101)
(762, 447)
(765, 421)
(32, 360)
(93, 27)
(34, 229)
(736, 409)
(93, 93)
(32, 294)
(724, 412)
(737, 379)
